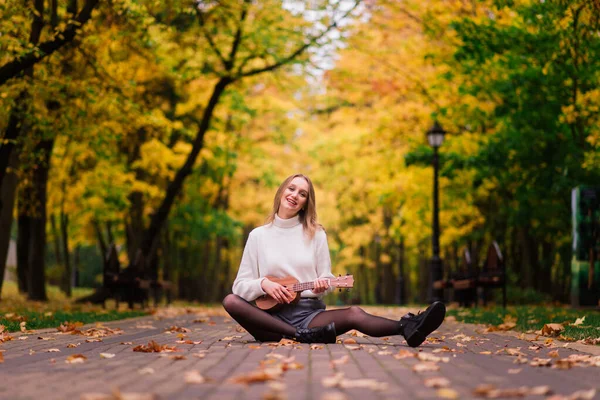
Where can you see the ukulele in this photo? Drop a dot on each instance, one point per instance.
(268, 303)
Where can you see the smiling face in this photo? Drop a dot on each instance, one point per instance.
(294, 198)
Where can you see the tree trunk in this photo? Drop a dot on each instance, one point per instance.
(75, 281)
(135, 225)
(8, 144)
(160, 216)
(400, 281)
(101, 241)
(37, 249)
(8, 189)
(23, 237)
(64, 227)
(56, 241)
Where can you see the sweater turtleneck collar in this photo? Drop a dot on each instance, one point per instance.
(286, 223)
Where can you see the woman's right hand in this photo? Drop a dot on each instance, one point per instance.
(277, 291)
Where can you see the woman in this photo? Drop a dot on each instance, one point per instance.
(292, 243)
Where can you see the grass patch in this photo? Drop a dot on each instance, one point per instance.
(533, 318)
(15, 308)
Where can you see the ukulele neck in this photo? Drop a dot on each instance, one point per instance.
(300, 287)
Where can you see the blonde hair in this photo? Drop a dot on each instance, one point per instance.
(307, 215)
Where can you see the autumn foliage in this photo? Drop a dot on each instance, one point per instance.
(165, 128)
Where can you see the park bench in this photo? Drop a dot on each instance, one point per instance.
(493, 273)
(129, 284)
(466, 281)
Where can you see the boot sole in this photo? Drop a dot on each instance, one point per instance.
(432, 319)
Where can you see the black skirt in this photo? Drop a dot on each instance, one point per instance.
(300, 315)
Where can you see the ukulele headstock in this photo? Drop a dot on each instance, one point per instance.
(346, 281)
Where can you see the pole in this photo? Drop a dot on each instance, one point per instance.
(435, 264)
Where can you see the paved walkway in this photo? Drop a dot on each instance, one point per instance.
(213, 358)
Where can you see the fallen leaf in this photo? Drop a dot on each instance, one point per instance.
(116, 395)
(76, 359)
(146, 371)
(485, 352)
(491, 392)
(153, 347)
(553, 354)
(339, 361)
(447, 393)
(578, 395)
(349, 341)
(178, 357)
(263, 375)
(23, 337)
(552, 329)
(437, 382)
(93, 340)
(425, 367)
(126, 343)
(384, 353)
(541, 362)
(404, 354)
(229, 338)
(334, 396)
(46, 338)
(317, 347)
(22, 326)
(145, 326)
(338, 380)
(52, 351)
(353, 346)
(579, 321)
(69, 326)
(1, 358)
(443, 349)
(177, 329)
(194, 376)
(73, 345)
(514, 371)
(106, 355)
(514, 352)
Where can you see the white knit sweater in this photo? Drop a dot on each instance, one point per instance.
(281, 249)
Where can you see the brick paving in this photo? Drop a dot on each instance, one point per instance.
(379, 368)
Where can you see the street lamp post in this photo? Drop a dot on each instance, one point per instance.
(435, 137)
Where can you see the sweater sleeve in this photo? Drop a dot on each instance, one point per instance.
(247, 282)
(323, 259)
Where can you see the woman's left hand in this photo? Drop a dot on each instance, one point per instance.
(321, 285)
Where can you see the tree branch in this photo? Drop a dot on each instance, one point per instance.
(237, 40)
(13, 68)
(212, 44)
(295, 53)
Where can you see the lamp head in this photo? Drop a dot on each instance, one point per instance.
(435, 135)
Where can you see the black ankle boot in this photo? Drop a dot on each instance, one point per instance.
(416, 328)
(320, 334)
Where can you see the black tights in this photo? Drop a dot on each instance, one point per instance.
(264, 327)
